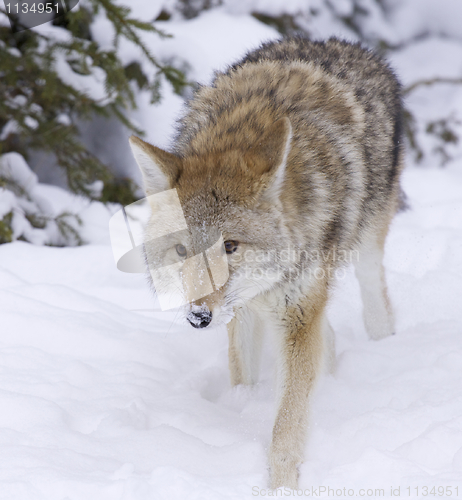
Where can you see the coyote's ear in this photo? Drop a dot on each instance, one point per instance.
(158, 168)
(268, 158)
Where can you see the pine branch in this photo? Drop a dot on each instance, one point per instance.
(431, 81)
(40, 109)
(125, 26)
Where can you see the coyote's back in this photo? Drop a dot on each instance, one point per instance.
(345, 110)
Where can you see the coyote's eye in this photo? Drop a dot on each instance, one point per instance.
(180, 250)
(231, 246)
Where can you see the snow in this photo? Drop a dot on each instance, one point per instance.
(92, 85)
(7, 202)
(205, 40)
(105, 397)
(140, 9)
(14, 167)
(9, 128)
(429, 59)
(416, 17)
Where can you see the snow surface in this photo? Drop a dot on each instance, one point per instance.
(102, 397)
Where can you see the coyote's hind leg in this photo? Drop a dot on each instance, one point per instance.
(378, 313)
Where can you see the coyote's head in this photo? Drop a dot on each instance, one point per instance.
(226, 252)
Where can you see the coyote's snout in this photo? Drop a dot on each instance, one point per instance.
(286, 168)
(199, 316)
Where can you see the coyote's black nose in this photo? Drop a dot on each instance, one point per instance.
(200, 319)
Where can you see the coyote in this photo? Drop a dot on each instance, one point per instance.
(294, 156)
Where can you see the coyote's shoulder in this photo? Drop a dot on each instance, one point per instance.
(345, 109)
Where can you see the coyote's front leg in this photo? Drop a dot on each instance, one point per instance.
(300, 359)
(245, 342)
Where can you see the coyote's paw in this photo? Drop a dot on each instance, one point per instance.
(283, 472)
(380, 330)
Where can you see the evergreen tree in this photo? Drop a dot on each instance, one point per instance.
(42, 95)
